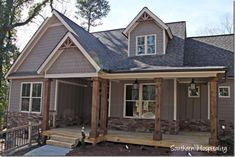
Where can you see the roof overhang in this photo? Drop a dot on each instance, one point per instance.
(176, 73)
(156, 19)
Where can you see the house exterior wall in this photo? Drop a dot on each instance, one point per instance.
(146, 28)
(15, 117)
(71, 60)
(226, 105)
(117, 121)
(192, 108)
(43, 48)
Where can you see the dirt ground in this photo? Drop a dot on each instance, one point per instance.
(116, 149)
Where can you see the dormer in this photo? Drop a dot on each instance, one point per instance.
(147, 34)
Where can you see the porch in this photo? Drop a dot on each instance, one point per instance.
(185, 138)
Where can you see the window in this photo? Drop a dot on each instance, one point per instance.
(140, 103)
(224, 91)
(31, 97)
(146, 45)
(194, 93)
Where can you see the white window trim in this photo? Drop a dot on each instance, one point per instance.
(145, 44)
(228, 91)
(30, 97)
(194, 96)
(139, 100)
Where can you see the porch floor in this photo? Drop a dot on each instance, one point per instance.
(182, 138)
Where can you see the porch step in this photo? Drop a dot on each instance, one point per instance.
(64, 139)
(60, 144)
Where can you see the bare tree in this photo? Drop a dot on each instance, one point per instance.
(224, 27)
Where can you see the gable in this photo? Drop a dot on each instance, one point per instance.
(42, 48)
(146, 15)
(147, 28)
(71, 60)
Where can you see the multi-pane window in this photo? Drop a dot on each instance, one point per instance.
(140, 102)
(224, 91)
(31, 97)
(146, 45)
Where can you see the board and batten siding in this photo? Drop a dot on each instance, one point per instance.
(146, 28)
(226, 105)
(117, 98)
(43, 48)
(192, 107)
(71, 60)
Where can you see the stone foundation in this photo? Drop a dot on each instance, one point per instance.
(195, 125)
(15, 119)
(142, 125)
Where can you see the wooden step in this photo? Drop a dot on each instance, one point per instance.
(64, 139)
(61, 144)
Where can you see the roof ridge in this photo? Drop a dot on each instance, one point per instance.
(206, 36)
(108, 30)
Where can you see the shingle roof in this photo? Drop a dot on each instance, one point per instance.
(103, 56)
(109, 50)
(116, 41)
(210, 51)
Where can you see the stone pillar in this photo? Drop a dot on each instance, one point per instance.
(103, 114)
(213, 110)
(95, 108)
(157, 135)
(46, 104)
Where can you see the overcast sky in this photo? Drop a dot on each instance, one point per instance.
(198, 14)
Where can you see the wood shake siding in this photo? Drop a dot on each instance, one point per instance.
(43, 48)
(146, 28)
(117, 98)
(71, 61)
(226, 105)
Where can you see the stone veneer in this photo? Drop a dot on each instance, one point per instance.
(195, 125)
(15, 119)
(142, 125)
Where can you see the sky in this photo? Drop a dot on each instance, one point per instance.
(198, 14)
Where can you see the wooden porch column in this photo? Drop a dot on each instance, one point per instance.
(95, 108)
(213, 110)
(157, 135)
(104, 108)
(46, 104)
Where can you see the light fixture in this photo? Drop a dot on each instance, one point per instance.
(192, 85)
(135, 85)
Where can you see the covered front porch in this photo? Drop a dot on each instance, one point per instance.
(98, 129)
(183, 138)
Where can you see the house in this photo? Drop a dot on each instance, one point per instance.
(147, 77)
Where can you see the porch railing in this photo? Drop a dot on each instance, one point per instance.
(14, 138)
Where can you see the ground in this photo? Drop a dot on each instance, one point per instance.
(116, 149)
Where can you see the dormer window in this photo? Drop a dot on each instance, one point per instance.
(146, 45)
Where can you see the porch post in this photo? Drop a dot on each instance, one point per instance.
(46, 104)
(213, 110)
(157, 135)
(103, 113)
(95, 108)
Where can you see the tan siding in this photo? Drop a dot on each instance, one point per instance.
(192, 108)
(52, 95)
(146, 28)
(167, 112)
(16, 93)
(226, 105)
(43, 48)
(117, 98)
(71, 61)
